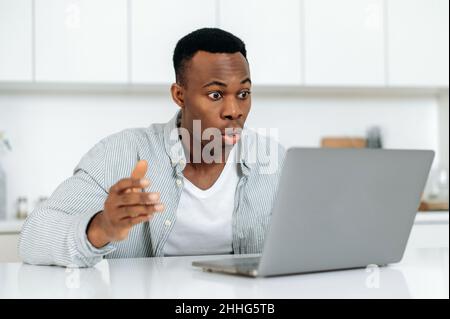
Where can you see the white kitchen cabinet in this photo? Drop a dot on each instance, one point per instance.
(156, 28)
(9, 244)
(15, 40)
(9, 240)
(428, 236)
(271, 31)
(418, 32)
(81, 41)
(344, 43)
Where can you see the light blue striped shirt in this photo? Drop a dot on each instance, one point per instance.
(55, 232)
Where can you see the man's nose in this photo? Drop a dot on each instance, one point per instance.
(232, 111)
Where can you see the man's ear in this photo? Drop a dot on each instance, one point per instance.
(177, 92)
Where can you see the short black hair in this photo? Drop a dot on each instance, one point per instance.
(213, 40)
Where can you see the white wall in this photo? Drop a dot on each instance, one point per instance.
(50, 132)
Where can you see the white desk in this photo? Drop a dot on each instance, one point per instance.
(423, 273)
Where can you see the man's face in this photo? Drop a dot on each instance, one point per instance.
(216, 91)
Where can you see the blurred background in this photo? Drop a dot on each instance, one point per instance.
(326, 73)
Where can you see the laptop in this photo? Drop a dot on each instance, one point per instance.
(337, 209)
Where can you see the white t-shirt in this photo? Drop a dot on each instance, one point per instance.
(203, 224)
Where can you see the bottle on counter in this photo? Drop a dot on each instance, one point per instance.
(42, 199)
(374, 138)
(39, 201)
(22, 208)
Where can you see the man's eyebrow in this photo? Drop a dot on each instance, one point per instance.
(224, 84)
(215, 83)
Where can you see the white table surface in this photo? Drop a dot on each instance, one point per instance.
(423, 273)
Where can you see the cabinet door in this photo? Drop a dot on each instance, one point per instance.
(156, 28)
(15, 40)
(344, 43)
(81, 40)
(418, 42)
(271, 31)
(8, 248)
(429, 236)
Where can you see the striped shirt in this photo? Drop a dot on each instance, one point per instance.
(55, 232)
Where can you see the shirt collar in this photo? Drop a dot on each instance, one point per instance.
(174, 147)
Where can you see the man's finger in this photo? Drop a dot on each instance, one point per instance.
(137, 210)
(139, 172)
(128, 183)
(132, 198)
(138, 220)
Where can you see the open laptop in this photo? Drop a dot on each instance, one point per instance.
(337, 209)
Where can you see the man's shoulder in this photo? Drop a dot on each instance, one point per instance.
(115, 156)
(264, 143)
(265, 153)
(124, 146)
(263, 140)
(134, 135)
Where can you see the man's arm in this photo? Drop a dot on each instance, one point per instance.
(55, 233)
(76, 225)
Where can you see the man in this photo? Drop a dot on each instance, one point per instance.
(198, 184)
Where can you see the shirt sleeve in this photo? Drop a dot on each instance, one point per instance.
(55, 232)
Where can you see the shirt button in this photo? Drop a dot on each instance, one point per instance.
(179, 182)
(167, 223)
(182, 162)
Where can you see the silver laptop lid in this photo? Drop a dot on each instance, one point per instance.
(343, 208)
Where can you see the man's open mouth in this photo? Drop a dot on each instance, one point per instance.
(231, 135)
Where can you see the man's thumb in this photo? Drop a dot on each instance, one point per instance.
(140, 170)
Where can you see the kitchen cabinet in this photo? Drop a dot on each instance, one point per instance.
(431, 229)
(418, 32)
(81, 41)
(344, 43)
(156, 27)
(427, 236)
(313, 43)
(9, 240)
(271, 31)
(15, 40)
(9, 244)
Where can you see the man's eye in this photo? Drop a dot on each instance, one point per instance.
(243, 95)
(215, 95)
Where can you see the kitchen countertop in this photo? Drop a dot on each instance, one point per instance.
(438, 217)
(14, 225)
(10, 226)
(423, 273)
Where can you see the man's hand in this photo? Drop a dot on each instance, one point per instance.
(125, 207)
